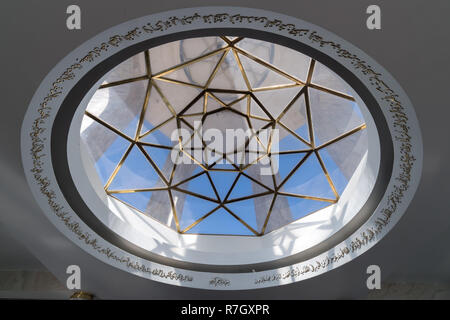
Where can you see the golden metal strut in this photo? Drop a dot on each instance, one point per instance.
(206, 93)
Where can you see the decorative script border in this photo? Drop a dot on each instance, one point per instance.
(393, 103)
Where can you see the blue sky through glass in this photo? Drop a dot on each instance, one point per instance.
(139, 200)
(300, 207)
(107, 162)
(131, 128)
(338, 178)
(221, 222)
(223, 181)
(309, 180)
(290, 142)
(200, 184)
(136, 173)
(287, 162)
(193, 208)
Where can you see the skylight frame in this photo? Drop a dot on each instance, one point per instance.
(230, 47)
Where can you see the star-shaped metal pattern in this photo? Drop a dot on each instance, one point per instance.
(223, 87)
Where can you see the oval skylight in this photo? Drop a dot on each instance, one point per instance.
(224, 135)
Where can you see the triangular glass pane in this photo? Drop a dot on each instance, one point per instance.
(261, 171)
(136, 173)
(138, 200)
(190, 208)
(286, 59)
(185, 169)
(162, 158)
(284, 163)
(309, 180)
(120, 106)
(162, 135)
(178, 95)
(296, 118)
(160, 208)
(200, 185)
(260, 76)
(275, 101)
(105, 148)
(288, 209)
(260, 139)
(301, 207)
(252, 211)
(195, 47)
(223, 180)
(130, 68)
(229, 75)
(196, 73)
(287, 141)
(244, 188)
(324, 77)
(343, 157)
(224, 166)
(220, 222)
(332, 116)
(155, 204)
(156, 112)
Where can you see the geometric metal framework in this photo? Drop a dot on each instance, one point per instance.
(238, 88)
